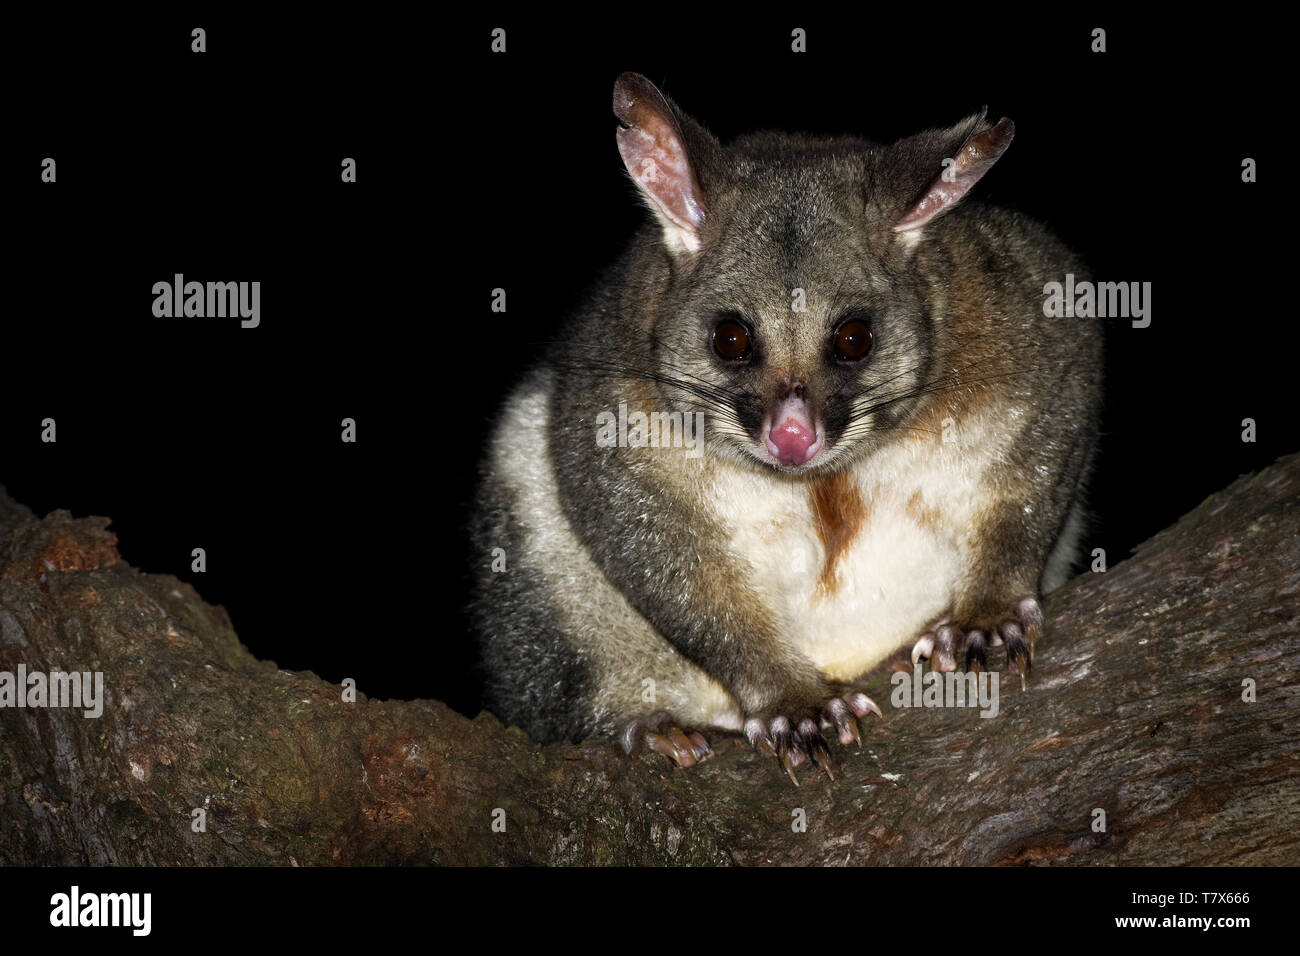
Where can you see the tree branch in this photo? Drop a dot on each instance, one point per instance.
(1134, 707)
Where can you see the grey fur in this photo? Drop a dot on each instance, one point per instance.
(617, 568)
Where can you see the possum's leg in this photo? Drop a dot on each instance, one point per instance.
(998, 603)
(661, 733)
(567, 654)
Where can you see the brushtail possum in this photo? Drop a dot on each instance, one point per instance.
(812, 417)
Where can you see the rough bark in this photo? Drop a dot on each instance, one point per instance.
(1135, 706)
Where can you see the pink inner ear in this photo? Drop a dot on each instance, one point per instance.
(656, 159)
(975, 158)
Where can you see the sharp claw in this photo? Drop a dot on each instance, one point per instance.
(820, 754)
(861, 704)
(685, 756)
(664, 737)
(1021, 662)
(684, 747)
(1017, 651)
(1031, 617)
(922, 648)
(975, 651)
(848, 732)
(826, 766)
(945, 658)
(662, 745)
(759, 738)
(838, 714)
(786, 746)
(789, 772)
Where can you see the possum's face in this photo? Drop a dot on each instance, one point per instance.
(794, 317)
(807, 341)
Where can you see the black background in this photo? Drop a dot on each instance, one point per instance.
(479, 171)
(997, 908)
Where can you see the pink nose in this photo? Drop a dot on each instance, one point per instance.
(790, 442)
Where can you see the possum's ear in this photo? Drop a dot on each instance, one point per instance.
(978, 147)
(656, 142)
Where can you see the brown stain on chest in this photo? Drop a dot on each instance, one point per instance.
(838, 516)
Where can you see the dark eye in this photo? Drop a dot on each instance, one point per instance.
(853, 339)
(731, 339)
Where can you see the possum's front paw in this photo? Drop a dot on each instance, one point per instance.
(792, 730)
(661, 734)
(1018, 628)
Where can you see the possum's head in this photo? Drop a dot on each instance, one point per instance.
(794, 310)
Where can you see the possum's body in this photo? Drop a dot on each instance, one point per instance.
(921, 492)
(853, 568)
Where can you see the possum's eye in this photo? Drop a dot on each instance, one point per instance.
(853, 338)
(731, 338)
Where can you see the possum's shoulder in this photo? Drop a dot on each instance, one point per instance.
(976, 223)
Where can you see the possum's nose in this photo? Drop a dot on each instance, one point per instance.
(790, 442)
(792, 436)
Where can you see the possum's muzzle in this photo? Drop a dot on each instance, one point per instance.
(791, 433)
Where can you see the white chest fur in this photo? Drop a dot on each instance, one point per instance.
(908, 509)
